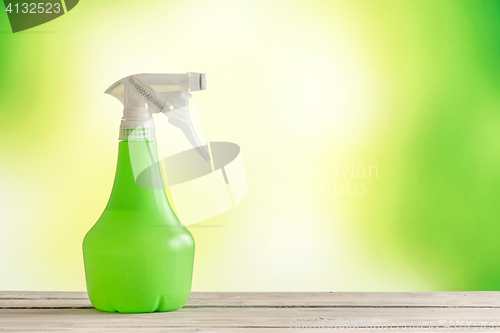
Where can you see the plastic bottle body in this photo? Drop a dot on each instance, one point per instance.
(138, 257)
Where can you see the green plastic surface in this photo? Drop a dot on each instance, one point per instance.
(138, 256)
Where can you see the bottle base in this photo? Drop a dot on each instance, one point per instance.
(146, 307)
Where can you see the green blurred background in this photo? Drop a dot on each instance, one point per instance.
(411, 87)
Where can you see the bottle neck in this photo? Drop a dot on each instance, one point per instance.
(137, 125)
(138, 184)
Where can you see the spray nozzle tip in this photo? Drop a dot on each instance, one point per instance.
(197, 81)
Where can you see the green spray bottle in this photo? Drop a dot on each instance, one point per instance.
(138, 256)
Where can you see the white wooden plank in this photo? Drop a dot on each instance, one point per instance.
(238, 330)
(42, 294)
(91, 319)
(246, 312)
(269, 299)
(333, 299)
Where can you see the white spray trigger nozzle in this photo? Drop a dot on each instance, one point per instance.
(145, 94)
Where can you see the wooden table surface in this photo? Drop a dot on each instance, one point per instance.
(260, 312)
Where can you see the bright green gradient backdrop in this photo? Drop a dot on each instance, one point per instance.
(412, 87)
